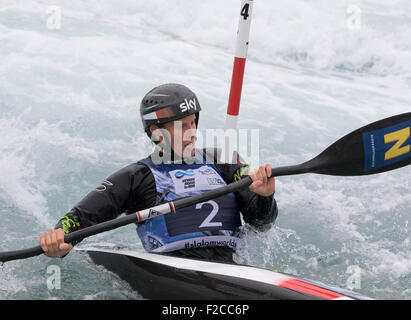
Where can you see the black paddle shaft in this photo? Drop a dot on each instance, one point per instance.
(125, 220)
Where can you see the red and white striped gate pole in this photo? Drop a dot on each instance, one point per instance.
(233, 108)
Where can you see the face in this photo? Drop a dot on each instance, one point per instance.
(182, 135)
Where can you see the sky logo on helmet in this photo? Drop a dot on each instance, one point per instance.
(188, 104)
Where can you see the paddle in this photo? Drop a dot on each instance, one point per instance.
(378, 147)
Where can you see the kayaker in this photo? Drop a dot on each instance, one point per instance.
(176, 168)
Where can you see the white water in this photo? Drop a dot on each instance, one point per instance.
(69, 101)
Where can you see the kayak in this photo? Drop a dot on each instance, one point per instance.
(162, 277)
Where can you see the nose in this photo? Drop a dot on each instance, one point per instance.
(191, 133)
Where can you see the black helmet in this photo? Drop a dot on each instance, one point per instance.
(168, 102)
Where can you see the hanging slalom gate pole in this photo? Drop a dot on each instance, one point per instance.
(241, 48)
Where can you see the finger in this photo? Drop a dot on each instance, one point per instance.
(43, 243)
(252, 174)
(259, 175)
(263, 175)
(268, 170)
(65, 247)
(271, 180)
(62, 246)
(49, 243)
(255, 185)
(60, 237)
(55, 245)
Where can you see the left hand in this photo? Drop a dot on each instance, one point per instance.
(262, 184)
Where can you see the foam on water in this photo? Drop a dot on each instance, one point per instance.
(69, 101)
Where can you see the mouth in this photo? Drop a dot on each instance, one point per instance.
(188, 144)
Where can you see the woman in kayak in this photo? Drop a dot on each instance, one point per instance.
(176, 168)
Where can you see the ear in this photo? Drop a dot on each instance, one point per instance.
(153, 128)
(156, 136)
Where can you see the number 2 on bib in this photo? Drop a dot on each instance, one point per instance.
(207, 222)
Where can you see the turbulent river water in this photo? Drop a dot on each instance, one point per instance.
(72, 76)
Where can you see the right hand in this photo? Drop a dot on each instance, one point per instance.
(53, 245)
